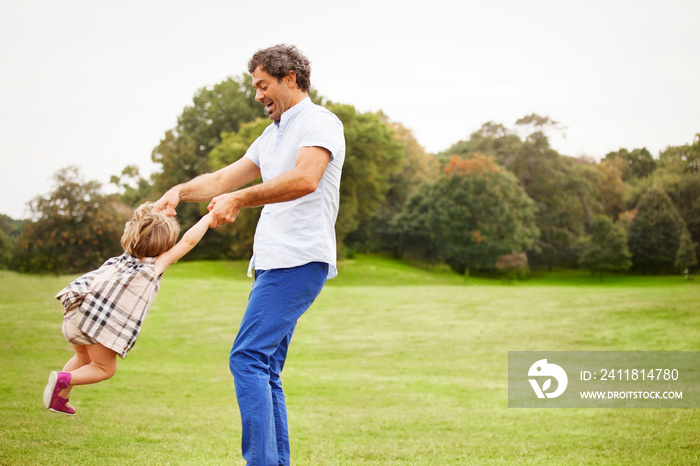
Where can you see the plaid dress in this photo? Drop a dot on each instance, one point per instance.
(113, 300)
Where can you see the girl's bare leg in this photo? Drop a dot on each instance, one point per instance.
(80, 359)
(101, 366)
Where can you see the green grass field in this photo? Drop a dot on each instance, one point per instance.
(392, 365)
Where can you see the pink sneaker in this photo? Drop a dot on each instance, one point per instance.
(57, 382)
(60, 405)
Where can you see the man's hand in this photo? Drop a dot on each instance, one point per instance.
(167, 203)
(224, 209)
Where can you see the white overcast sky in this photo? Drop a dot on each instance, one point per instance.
(97, 83)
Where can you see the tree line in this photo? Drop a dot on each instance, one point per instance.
(502, 201)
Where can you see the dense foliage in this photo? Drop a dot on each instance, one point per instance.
(655, 233)
(502, 199)
(469, 217)
(10, 229)
(605, 249)
(73, 229)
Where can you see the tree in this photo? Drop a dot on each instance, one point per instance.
(565, 192)
(134, 190)
(677, 173)
(235, 241)
(654, 233)
(686, 257)
(687, 200)
(684, 158)
(10, 230)
(535, 123)
(639, 163)
(234, 144)
(468, 218)
(611, 188)
(417, 168)
(183, 153)
(216, 110)
(492, 139)
(178, 159)
(221, 108)
(605, 249)
(5, 250)
(372, 157)
(565, 195)
(73, 229)
(513, 266)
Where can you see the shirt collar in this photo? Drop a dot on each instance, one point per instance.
(294, 111)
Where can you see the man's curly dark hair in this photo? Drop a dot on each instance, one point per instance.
(279, 60)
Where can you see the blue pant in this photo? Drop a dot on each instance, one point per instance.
(277, 299)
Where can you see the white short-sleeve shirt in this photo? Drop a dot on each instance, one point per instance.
(294, 233)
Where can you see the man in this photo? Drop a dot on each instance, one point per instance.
(300, 157)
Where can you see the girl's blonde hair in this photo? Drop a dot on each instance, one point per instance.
(149, 234)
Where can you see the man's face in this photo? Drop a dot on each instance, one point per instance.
(275, 95)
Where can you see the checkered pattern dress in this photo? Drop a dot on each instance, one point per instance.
(113, 300)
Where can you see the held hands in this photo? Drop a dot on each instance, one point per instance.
(223, 209)
(167, 203)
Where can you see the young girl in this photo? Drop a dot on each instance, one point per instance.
(104, 308)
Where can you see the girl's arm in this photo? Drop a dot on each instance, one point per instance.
(188, 241)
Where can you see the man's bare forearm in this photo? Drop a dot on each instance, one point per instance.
(296, 183)
(286, 187)
(206, 187)
(200, 189)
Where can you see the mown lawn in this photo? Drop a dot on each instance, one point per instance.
(392, 365)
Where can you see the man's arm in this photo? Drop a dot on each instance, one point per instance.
(206, 187)
(311, 163)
